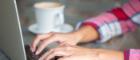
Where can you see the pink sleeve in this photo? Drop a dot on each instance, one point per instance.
(118, 21)
(132, 54)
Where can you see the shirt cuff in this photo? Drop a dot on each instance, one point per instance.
(126, 54)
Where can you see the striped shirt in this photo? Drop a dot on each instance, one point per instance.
(117, 21)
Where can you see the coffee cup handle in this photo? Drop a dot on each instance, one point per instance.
(62, 18)
(59, 19)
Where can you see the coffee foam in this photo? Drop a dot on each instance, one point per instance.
(47, 5)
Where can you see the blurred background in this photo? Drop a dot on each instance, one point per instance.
(76, 11)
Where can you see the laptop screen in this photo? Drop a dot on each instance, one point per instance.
(11, 40)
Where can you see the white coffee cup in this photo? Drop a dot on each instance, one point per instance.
(49, 16)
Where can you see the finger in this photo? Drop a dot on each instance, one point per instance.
(57, 52)
(44, 55)
(52, 51)
(53, 55)
(75, 57)
(44, 43)
(35, 43)
(64, 44)
(65, 58)
(38, 39)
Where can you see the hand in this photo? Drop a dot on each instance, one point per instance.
(84, 34)
(79, 53)
(45, 39)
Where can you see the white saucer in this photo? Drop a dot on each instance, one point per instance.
(63, 28)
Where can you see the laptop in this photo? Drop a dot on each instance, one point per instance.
(11, 40)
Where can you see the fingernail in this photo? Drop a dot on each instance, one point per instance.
(31, 49)
(37, 53)
(39, 59)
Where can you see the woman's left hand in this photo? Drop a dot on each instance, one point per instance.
(79, 53)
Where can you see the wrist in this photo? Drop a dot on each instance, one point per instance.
(85, 34)
(77, 35)
(111, 55)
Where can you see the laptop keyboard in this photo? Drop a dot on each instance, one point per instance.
(31, 56)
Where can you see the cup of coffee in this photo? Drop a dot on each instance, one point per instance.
(49, 16)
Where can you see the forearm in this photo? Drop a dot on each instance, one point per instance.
(112, 55)
(104, 54)
(86, 33)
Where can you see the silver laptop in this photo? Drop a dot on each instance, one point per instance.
(11, 40)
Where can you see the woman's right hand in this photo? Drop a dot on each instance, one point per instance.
(62, 38)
